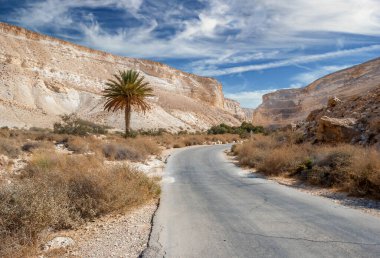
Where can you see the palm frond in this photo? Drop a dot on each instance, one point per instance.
(127, 88)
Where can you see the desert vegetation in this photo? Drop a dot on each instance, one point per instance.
(350, 168)
(126, 91)
(72, 124)
(244, 130)
(63, 181)
(59, 179)
(59, 191)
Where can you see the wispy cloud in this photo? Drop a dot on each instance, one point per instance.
(291, 61)
(57, 14)
(306, 78)
(218, 37)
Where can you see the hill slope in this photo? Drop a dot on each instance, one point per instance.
(43, 77)
(287, 106)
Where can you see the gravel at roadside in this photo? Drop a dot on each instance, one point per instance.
(114, 236)
(123, 235)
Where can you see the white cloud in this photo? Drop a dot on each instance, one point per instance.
(344, 16)
(291, 61)
(223, 32)
(249, 99)
(56, 13)
(306, 78)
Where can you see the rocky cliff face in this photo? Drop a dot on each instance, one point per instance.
(234, 107)
(291, 105)
(248, 114)
(355, 120)
(43, 77)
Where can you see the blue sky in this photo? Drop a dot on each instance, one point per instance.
(251, 46)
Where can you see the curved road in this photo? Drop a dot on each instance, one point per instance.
(211, 208)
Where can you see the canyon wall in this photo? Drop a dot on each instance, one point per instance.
(42, 78)
(287, 106)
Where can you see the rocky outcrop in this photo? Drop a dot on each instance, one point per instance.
(288, 106)
(248, 114)
(234, 107)
(336, 129)
(355, 120)
(43, 77)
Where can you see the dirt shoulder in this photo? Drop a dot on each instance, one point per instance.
(114, 236)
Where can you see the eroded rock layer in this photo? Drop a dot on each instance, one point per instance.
(42, 77)
(355, 120)
(287, 106)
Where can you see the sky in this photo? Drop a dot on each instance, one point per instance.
(251, 46)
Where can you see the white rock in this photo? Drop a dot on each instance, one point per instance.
(58, 242)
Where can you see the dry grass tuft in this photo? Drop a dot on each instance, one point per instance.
(78, 145)
(350, 168)
(134, 149)
(10, 148)
(62, 191)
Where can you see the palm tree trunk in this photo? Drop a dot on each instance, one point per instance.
(127, 120)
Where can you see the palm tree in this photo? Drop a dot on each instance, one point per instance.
(128, 90)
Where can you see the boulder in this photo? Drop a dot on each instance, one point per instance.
(332, 102)
(336, 130)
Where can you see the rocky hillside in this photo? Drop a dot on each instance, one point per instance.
(248, 113)
(355, 120)
(43, 77)
(291, 105)
(234, 107)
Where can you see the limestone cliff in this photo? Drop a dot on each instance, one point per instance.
(292, 105)
(234, 107)
(42, 77)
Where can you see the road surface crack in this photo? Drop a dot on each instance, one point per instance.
(148, 245)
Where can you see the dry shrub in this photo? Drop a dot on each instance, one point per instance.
(37, 145)
(5, 132)
(282, 160)
(354, 169)
(51, 137)
(288, 137)
(10, 147)
(78, 145)
(253, 152)
(61, 191)
(135, 149)
(331, 165)
(364, 173)
(120, 152)
(144, 145)
(27, 208)
(183, 140)
(269, 156)
(23, 135)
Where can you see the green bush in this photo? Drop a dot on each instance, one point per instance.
(244, 130)
(152, 132)
(71, 124)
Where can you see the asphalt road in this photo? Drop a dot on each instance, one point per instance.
(211, 208)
